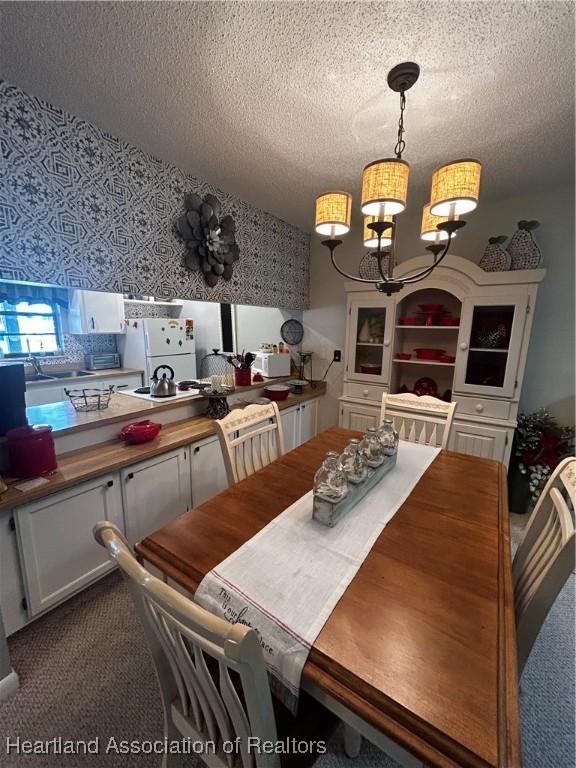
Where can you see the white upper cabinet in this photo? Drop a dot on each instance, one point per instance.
(95, 312)
(489, 345)
(370, 335)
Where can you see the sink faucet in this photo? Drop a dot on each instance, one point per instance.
(34, 361)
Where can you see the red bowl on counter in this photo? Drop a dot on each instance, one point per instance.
(425, 353)
(140, 432)
(277, 392)
(372, 368)
(447, 358)
(403, 355)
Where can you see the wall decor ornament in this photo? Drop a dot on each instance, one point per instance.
(523, 249)
(495, 257)
(211, 247)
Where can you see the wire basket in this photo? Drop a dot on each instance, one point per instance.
(218, 372)
(90, 399)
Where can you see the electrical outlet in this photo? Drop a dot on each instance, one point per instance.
(337, 356)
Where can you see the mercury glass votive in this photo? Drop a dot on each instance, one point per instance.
(330, 482)
(388, 437)
(352, 462)
(371, 448)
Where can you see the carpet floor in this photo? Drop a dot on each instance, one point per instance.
(85, 673)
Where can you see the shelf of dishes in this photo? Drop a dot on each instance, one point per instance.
(429, 316)
(422, 362)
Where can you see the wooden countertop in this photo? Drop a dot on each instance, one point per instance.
(64, 419)
(86, 463)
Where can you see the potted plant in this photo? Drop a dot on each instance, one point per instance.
(540, 443)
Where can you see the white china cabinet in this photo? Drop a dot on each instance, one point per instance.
(476, 323)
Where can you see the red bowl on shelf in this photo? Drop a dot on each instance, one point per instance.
(408, 321)
(403, 355)
(447, 358)
(431, 309)
(140, 432)
(450, 320)
(277, 392)
(372, 368)
(425, 353)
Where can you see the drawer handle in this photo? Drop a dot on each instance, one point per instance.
(365, 392)
(130, 476)
(196, 450)
(386, 342)
(479, 407)
(463, 346)
(110, 483)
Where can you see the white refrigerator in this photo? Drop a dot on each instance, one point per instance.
(153, 341)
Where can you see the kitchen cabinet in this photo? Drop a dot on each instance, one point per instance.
(58, 553)
(299, 423)
(490, 343)
(369, 337)
(488, 442)
(12, 591)
(207, 470)
(155, 492)
(475, 324)
(359, 416)
(95, 312)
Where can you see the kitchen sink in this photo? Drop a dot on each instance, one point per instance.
(38, 377)
(68, 374)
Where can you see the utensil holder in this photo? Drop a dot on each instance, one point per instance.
(242, 377)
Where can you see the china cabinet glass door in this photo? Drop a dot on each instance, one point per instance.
(489, 345)
(369, 339)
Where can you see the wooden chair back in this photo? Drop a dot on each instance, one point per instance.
(423, 419)
(197, 656)
(545, 558)
(251, 438)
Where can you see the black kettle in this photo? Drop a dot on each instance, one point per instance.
(164, 387)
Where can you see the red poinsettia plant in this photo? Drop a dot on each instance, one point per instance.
(541, 443)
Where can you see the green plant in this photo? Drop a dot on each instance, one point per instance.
(541, 443)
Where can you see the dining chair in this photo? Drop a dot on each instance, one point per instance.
(419, 419)
(545, 557)
(250, 438)
(213, 681)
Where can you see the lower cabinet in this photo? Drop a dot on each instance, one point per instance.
(58, 553)
(155, 492)
(359, 416)
(207, 470)
(299, 423)
(12, 590)
(482, 440)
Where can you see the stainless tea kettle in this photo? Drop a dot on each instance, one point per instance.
(164, 387)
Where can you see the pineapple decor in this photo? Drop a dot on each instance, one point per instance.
(523, 250)
(495, 257)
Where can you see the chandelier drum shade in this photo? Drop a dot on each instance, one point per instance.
(385, 187)
(370, 238)
(429, 227)
(333, 213)
(455, 190)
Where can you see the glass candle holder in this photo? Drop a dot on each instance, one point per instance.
(372, 448)
(388, 437)
(352, 461)
(330, 481)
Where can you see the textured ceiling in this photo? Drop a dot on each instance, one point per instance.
(278, 101)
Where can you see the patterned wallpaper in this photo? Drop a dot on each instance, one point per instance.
(81, 208)
(132, 311)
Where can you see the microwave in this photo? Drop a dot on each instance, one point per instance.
(273, 364)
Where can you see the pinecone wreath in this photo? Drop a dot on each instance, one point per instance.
(523, 250)
(210, 241)
(495, 258)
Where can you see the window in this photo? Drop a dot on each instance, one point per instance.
(27, 327)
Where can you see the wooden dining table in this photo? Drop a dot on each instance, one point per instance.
(419, 654)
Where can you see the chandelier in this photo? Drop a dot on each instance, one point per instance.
(454, 192)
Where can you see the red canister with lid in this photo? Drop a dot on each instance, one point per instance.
(31, 450)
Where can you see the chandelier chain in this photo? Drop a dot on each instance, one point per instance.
(401, 144)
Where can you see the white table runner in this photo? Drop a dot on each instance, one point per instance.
(286, 580)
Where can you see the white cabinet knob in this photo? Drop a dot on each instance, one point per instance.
(463, 346)
(366, 392)
(479, 407)
(386, 342)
